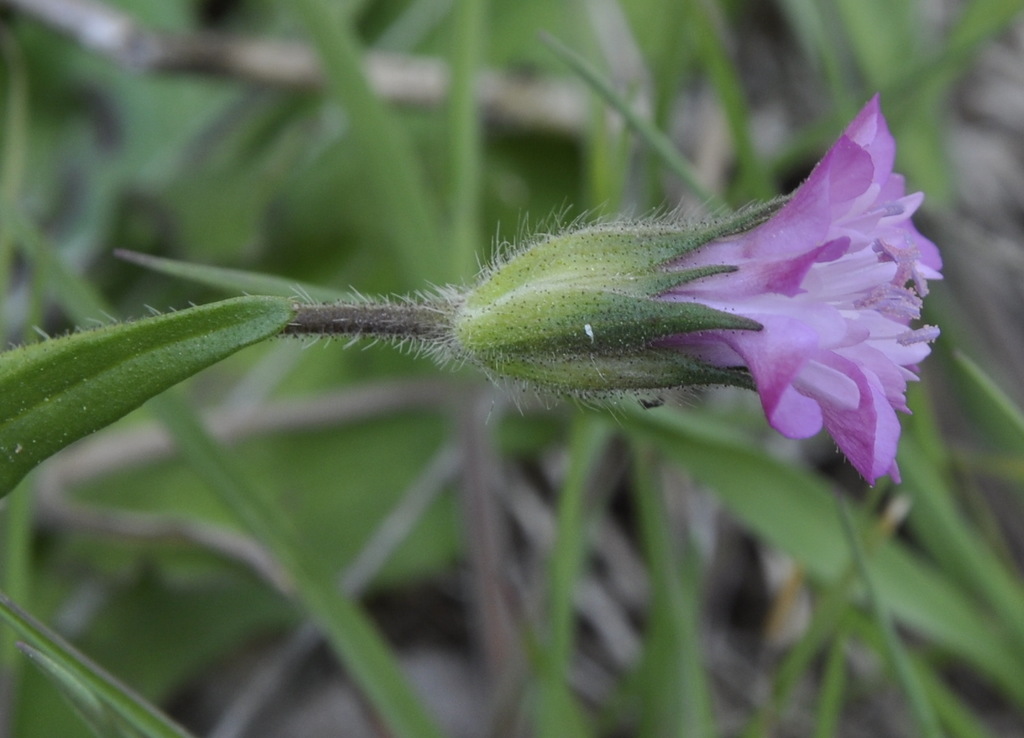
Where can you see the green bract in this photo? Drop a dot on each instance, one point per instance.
(579, 312)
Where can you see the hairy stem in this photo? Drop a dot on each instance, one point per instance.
(422, 321)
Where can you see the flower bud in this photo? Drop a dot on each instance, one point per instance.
(579, 312)
(809, 300)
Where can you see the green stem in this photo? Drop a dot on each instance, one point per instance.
(418, 321)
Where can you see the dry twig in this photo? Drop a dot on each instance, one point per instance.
(508, 101)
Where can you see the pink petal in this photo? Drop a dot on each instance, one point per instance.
(835, 278)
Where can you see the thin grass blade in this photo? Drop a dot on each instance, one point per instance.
(559, 713)
(102, 721)
(658, 141)
(676, 697)
(233, 280)
(91, 686)
(998, 404)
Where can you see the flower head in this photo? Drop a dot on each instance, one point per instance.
(809, 302)
(835, 279)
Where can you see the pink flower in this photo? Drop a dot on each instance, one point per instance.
(835, 278)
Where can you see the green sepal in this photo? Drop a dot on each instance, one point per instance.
(653, 370)
(666, 281)
(57, 391)
(581, 323)
(637, 255)
(585, 310)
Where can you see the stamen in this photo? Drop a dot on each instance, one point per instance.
(906, 258)
(893, 301)
(924, 334)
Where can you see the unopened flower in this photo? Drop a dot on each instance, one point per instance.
(810, 303)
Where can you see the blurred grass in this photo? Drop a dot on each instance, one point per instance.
(558, 715)
(17, 520)
(676, 698)
(345, 191)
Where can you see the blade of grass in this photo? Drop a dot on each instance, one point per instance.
(956, 717)
(677, 698)
(73, 294)
(833, 685)
(831, 608)
(103, 721)
(920, 707)
(588, 439)
(12, 157)
(952, 540)
(997, 402)
(465, 139)
(754, 182)
(559, 715)
(81, 671)
(658, 141)
(392, 168)
(233, 280)
(980, 20)
(807, 18)
(606, 156)
(978, 23)
(885, 37)
(15, 557)
(670, 55)
(15, 561)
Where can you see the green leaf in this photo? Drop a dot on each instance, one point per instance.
(57, 391)
(795, 511)
(951, 538)
(101, 699)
